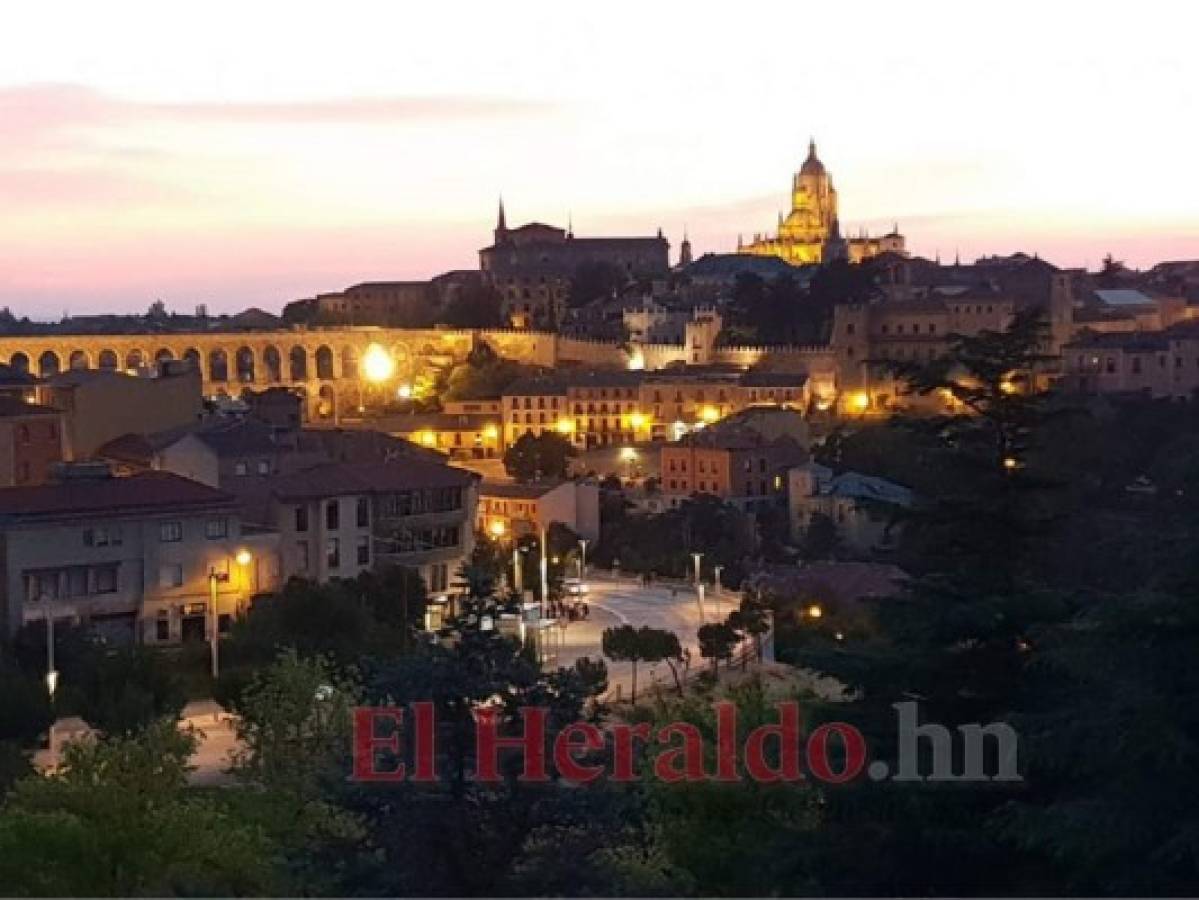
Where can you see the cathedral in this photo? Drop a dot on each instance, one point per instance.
(811, 232)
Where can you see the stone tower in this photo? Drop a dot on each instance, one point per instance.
(685, 250)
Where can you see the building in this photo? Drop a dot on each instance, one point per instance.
(279, 407)
(137, 557)
(811, 233)
(30, 441)
(459, 435)
(338, 519)
(516, 510)
(532, 266)
(386, 303)
(1155, 363)
(610, 407)
(865, 509)
(736, 464)
(99, 405)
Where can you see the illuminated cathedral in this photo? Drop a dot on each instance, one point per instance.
(811, 232)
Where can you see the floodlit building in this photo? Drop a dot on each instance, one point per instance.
(516, 510)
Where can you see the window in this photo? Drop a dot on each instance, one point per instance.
(364, 551)
(333, 553)
(77, 581)
(106, 580)
(264, 467)
(162, 627)
(239, 468)
(170, 532)
(170, 576)
(216, 528)
(302, 556)
(332, 515)
(301, 518)
(363, 516)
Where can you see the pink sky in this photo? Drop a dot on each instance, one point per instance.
(214, 154)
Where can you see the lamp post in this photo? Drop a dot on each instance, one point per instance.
(51, 672)
(717, 590)
(582, 559)
(697, 557)
(545, 571)
(517, 573)
(214, 579)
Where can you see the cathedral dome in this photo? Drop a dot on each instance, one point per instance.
(812, 165)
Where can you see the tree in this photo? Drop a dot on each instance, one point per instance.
(595, 281)
(395, 595)
(117, 821)
(623, 644)
(476, 305)
(820, 539)
(716, 643)
(25, 713)
(536, 457)
(660, 645)
(123, 691)
(752, 618)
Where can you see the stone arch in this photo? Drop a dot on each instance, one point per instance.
(192, 355)
(272, 362)
(48, 364)
(19, 362)
(134, 359)
(326, 406)
(79, 360)
(163, 354)
(324, 363)
(218, 365)
(244, 364)
(349, 362)
(108, 360)
(403, 361)
(298, 363)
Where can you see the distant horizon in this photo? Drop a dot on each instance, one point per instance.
(252, 166)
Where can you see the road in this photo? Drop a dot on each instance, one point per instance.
(616, 601)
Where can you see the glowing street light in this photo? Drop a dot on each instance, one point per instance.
(377, 364)
(861, 401)
(814, 611)
(709, 414)
(404, 392)
(565, 426)
(243, 557)
(628, 454)
(497, 528)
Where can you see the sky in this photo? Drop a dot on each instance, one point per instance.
(247, 154)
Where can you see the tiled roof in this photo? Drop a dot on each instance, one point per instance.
(151, 492)
(339, 479)
(512, 490)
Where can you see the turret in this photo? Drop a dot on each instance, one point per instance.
(685, 250)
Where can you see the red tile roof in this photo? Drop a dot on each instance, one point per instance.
(339, 479)
(156, 492)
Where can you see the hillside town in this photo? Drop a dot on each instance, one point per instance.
(519, 479)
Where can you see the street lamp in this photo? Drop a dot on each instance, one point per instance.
(214, 578)
(582, 559)
(51, 672)
(697, 557)
(716, 588)
(517, 572)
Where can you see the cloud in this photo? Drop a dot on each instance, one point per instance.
(35, 111)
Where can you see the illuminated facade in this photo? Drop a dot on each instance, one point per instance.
(811, 232)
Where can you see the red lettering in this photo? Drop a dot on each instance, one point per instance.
(787, 734)
(488, 744)
(692, 754)
(726, 741)
(425, 750)
(622, 749)
(367, 744)
(565, 747)
(818, 756)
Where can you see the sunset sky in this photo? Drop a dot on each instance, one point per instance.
(241, 154)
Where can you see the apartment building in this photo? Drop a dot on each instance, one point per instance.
(136, 557)
(737, 465)
(516, 510)
(30, 441)
(338, 519)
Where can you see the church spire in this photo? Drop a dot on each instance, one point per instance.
(501, 223)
